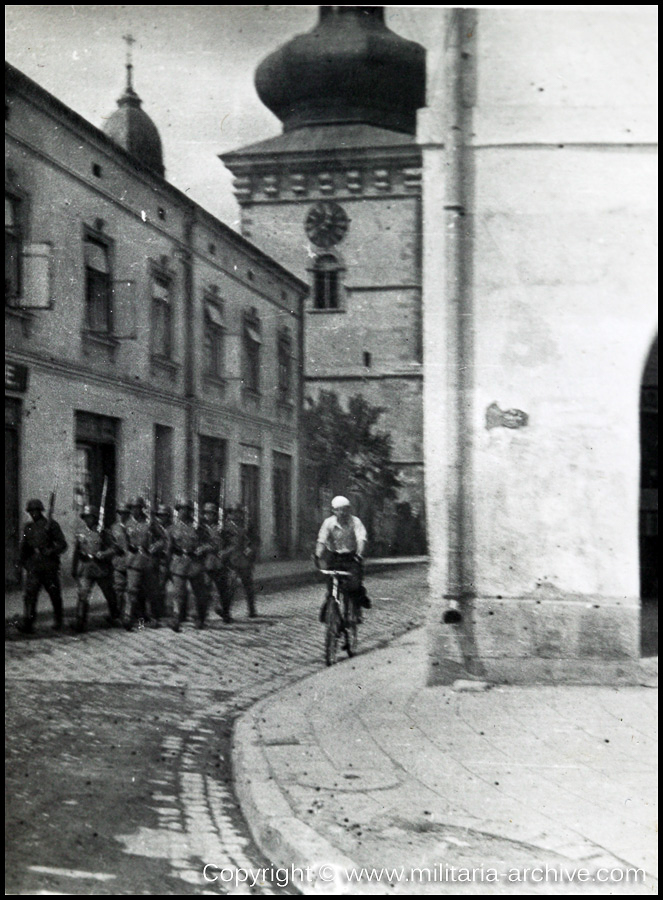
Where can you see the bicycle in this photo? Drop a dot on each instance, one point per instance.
(340, 618)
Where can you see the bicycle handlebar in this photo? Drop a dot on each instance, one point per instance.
(333, 572)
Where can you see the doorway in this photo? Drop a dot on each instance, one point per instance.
(281, 498)
(212, 469)
(96, 442)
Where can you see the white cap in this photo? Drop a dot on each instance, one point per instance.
(340, 502)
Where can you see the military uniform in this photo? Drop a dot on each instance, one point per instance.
(159, 567)
(186, 566)
(242, 549)
(217, 568)
(93, 552)
(40, 549)
(119, 540)
(138, 532)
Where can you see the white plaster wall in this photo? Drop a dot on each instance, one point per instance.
(562, 297)
(564, 288)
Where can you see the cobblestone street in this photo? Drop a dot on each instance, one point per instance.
(118, 745)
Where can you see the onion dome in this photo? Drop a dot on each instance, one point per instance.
(349, 68)
(131, 128)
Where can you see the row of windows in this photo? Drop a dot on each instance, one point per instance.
(109, 307)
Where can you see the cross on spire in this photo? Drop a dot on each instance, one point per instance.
(129, 40)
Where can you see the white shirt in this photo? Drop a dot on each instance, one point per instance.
(349, 538)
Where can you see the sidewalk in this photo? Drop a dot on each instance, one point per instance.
(362, 765)
(269, 577)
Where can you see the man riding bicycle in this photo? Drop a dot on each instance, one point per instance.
(340, 545)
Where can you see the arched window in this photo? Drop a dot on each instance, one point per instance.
(327, 282)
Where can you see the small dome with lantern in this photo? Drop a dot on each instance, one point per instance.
(131, 127)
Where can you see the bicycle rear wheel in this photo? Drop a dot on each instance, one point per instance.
(332, 634)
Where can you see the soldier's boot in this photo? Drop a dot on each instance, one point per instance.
(179, 614)
(55, 593)
(251, 602)
(27, 623)
(80, 624)
(130, 609)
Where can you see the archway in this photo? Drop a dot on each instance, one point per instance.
(649, 503)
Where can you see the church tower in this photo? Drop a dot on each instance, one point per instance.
(337, 199)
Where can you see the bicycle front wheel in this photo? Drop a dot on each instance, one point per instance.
(332, 634)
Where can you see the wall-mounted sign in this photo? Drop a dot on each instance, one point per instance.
(16, 377)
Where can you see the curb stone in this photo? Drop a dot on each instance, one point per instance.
(285, 840)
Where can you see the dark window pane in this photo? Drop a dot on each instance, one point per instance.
(98, 287)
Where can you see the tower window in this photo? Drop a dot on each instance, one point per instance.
(97, 171)
(326, 283)
(367, 359)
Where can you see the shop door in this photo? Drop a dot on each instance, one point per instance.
(212, 469)
(250, 493)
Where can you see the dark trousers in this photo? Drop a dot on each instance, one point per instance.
(145, 596)
(222, 581)
(347, 562)
(245, 575)
(36, 579)
(181, 596)
(85, 585)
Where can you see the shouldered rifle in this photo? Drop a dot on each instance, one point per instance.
(222, 501)
(51, 505)
(102, 506)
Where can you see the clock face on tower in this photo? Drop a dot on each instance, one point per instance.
(326, 223)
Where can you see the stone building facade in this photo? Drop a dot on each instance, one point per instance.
(146, 342)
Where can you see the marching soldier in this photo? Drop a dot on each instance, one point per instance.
(159, 563)
(119, 539)
(138, 535)
(216, 558)
(186, 566)
(242, 545)
(91, 563)
(41, 547)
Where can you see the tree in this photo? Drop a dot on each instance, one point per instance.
(344, 453)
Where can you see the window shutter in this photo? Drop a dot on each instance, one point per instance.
(214, 314)
(36, 277)
(253, 333)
